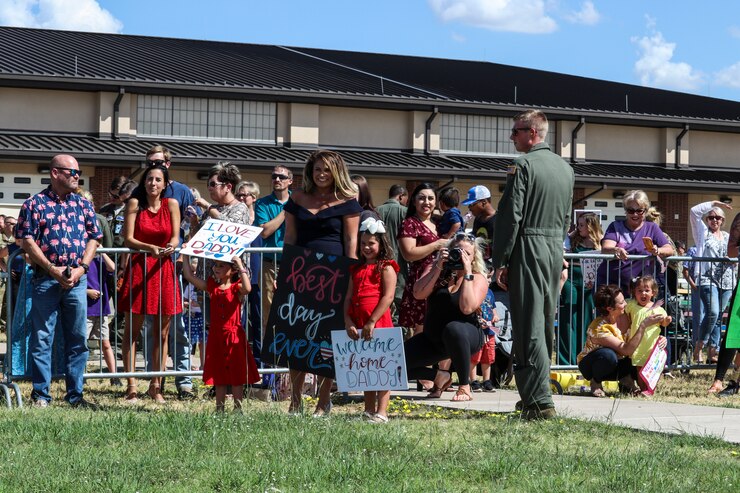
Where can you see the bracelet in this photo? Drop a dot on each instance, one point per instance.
(244, 271)
(50, 266)
(437, 266)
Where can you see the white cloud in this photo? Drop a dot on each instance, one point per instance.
(458, 38)
(587, 15)
(734, 31)
(656, 68)
(73, 15)
(522, 16)
(729, 76)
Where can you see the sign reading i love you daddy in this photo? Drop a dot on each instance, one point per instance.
(308, 304)
(377, 364)
(221, 240)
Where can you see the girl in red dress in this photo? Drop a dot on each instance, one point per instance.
(229, 359)
(369, 297)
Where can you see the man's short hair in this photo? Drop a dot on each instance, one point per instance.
(280, 166)
(534, 119)
(396, 191)
(156, 149)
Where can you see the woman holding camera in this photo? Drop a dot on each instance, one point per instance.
(455, 285)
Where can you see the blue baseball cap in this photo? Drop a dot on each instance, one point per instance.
(478, 192)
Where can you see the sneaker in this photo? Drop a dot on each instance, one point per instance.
(187, 395)
(84, 404)
(488, 386)
(40, 403)
(475, 386)
(731, 389)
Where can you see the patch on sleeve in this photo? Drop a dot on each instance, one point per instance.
(511, 169)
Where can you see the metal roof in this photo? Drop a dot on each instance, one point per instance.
(96, 151)
(141, 63)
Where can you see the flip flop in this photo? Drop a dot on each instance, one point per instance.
(598, 393)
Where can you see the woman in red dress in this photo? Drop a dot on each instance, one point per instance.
(152, 225)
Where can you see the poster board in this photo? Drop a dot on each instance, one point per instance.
(733, 323)
(377, 364)
(589, 268)
(652, 371)
(308, 304)
(221, 240)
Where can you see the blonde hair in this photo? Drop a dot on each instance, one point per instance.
(654, 215)
(478, 264)
(250, 187)
(595, 233)
(536, 120)
(344, 187)
(716, 210)
(637, 196)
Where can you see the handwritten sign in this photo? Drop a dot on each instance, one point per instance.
(221, 240)
(733, 323)
(589, 267)
(653, 369)
(308, 304)
(377, 364)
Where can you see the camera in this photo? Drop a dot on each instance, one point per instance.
(454, 259)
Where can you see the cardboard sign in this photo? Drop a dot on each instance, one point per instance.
(308, 304)
(377, 364)
(733, 323)
(221, 240)
(653, 369)
(589, 266)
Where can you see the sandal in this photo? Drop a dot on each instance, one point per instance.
(715, 388)
(368, 416)
(598, 393)
(436, 391)
(462, 395)
(379, 419)
(131, 395)
(155, 393)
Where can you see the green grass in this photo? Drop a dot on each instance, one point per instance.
(184, 447)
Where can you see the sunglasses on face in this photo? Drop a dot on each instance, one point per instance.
(278, 176)
(515, 131)
(715, 218)
(639, 212)
(214, 184)
(114, 195)
(74, 173)
(156, 162)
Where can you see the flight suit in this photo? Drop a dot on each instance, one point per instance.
(532, 220)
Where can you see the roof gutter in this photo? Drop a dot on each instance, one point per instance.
(428, 130)
(116, 111)
(574, 139)
(679, 138)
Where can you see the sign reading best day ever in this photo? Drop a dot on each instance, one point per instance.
(221, 240)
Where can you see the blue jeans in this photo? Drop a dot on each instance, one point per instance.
(69, 306)
(714, 300)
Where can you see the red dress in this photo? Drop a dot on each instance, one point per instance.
(366, 284)
(229, 360)
(161, 293)
(412, 310)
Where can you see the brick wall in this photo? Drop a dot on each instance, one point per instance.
(99, 184)
(675, 209)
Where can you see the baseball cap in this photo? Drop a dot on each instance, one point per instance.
(478, 192)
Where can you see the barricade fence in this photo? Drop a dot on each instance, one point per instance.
(111, 329)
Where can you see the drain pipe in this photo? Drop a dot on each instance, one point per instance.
(574, 139)
(678, 145)
(428, 129)
(116, 110)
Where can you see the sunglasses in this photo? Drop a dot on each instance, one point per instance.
(715, 218)
(114, 195)
(156, 162)
(74, 173)
(278, 176)
(465, 236)
(515, 131)
(214, 184)
(639, 212)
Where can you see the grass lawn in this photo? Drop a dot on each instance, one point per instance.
(184, 447)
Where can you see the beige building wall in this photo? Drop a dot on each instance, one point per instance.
(303, 124)
(126, 114)
(364, 128)
(714, 149)
(622, 143)
(564, 139)
(46, 110)
(668, 144)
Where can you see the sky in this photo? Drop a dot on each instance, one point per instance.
(684, 46)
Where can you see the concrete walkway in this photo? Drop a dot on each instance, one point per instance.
(642, 414)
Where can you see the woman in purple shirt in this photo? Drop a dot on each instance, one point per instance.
(632, 236)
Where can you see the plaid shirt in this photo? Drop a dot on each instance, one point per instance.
(60, 227)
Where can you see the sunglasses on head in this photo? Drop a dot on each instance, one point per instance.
(156, 162)
(278, 176)
(465, 236)
(72, 172)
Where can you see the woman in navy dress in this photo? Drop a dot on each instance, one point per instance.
(324, 217)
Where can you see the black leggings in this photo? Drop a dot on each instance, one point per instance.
(604, 364)
(724, 359)
(460, 340)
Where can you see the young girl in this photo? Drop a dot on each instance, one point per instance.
(369, 297)
(644, 289)
(229, 360)
(605, 356)
(193, 317)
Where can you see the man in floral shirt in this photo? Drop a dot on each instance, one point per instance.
(59, 233)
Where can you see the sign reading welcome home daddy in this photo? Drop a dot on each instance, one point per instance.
(308, 304)
(221, 240)
(377, 364)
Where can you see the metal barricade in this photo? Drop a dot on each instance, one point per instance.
(110, 351)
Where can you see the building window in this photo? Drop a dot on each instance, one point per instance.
(478, 134)
(201, 118)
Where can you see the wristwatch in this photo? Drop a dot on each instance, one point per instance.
(84, 266)
(468, 277)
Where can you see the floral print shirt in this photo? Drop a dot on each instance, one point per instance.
(61, 227)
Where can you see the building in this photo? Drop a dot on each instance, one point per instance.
(107, 98)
